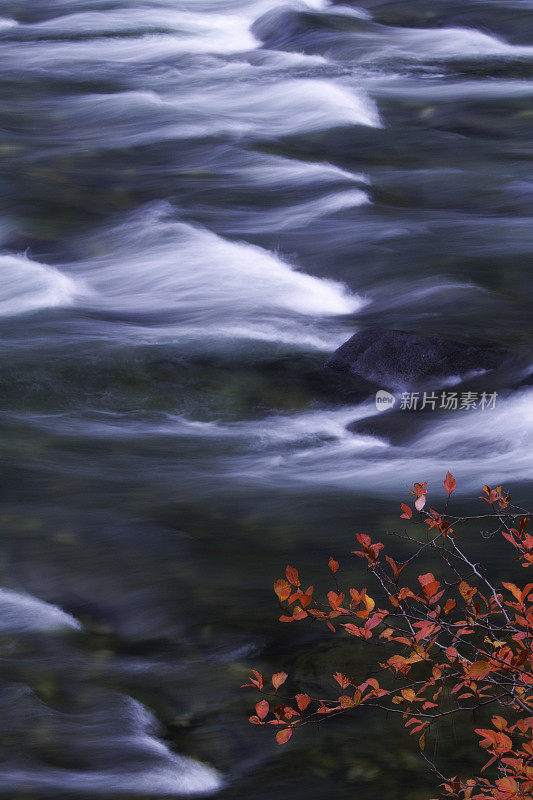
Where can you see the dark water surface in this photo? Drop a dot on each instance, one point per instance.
(200, 200)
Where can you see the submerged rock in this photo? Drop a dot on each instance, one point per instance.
(393, 427)
(398, 361)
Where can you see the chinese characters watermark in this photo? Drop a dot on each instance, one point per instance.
(435, 401)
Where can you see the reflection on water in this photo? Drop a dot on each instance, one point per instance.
(202, 199)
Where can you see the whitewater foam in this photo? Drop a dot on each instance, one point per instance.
(28, 286)
(22, 613)
(303, 214)
(445, 43)
(119, 736)
(286, 107)
(6, 23)
(246, 109)
(206, 285)
(283, 172)
(161, 31)
(500, 438)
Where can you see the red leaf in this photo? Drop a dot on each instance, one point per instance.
(278, 678)
(258, 681)
(353, 629)
(292, 576)
(429, 585)
(262, 708)
(335, 599)
(499, 722)
(342, 680)
(303, 701)
(333, 565)
(407, 512)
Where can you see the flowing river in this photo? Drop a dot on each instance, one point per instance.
(201, 200)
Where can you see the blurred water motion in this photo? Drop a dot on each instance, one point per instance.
(202, 199)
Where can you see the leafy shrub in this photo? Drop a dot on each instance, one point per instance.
(444, 645)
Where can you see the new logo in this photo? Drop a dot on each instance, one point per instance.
(384, 400)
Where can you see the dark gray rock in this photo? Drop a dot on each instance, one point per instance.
(394, 427)
(399, 361)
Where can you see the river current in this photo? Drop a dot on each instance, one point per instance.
(201, 200)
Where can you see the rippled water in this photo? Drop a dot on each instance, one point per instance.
(201, 200)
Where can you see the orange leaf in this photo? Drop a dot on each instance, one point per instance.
(278, 678)
(449, 483)
(284, 735)
(406, 511)
(467, 591)
(262, 709)
(282, 589)
(449, 605)
(479, 669)
(345, 701)
(515, 591)
(369, 603)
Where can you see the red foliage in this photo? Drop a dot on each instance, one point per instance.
(457, 635)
